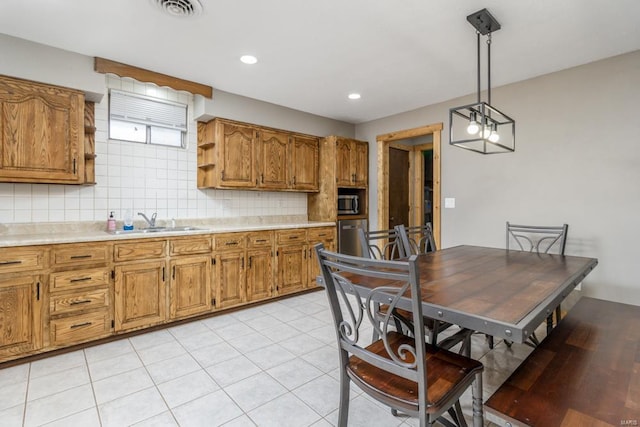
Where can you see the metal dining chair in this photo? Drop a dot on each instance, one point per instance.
(381, 244)
(541, 240)
(418, 240)
(401, 371)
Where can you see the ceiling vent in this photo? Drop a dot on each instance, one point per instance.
(184, 8)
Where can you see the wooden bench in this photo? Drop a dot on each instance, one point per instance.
(585, 373)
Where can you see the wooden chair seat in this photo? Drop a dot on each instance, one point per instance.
(447, 374)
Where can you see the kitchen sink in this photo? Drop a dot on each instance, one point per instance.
(156, 230)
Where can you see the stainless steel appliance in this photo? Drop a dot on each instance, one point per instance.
(348, 204)
(348, 242)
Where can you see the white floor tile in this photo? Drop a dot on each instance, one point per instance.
(164, 419)
(235, 330)
(117, 365)
(250, 342)
(59, 405)
(242, 421)
(188, 329)
(121, 385)
(214, 354)
(284, 411)
(151, 339)
(270, 356)
(14, 374)
(164, 351)
(86, 418)
(170, 369)
(207, 411)
(294, 373)
(57, 382)
(13, 394)
(321, 394)
(57, 363)
(364, 413)
(186, 388)
(12, 417)
(200, 340)
(108, 350)
(255, 391)
(232, 371)
(132, 408)
(302, 344)
(324, 358)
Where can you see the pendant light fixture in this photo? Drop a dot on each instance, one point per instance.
(481, 127)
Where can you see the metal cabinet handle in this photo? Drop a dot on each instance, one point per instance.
(10, 262)
(84, 301)
(80, 325)
(80, 279)
(81, 256)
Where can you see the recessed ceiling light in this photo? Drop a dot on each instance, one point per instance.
(248, 59)
(354, 96)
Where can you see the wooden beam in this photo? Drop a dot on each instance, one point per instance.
(104, 66)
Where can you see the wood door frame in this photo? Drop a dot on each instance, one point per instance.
(383, 143)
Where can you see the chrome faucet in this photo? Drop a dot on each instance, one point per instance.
(152, 221)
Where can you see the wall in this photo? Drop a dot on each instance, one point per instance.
(143, 178)
(577, 160)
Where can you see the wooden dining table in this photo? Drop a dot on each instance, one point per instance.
(499, 292)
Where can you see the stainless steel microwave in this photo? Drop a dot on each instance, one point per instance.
(348, 205)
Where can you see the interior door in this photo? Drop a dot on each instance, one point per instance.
(399, 183)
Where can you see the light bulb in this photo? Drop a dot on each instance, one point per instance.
(486, 132)
(494, 137)
(473, 127)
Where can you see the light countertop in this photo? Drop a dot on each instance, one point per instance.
(27, 234)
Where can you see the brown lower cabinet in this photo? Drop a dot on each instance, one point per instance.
(54, 296)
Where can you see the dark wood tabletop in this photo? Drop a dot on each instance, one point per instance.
(495, 291)
(585, 373)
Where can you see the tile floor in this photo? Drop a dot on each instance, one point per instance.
(270, 365)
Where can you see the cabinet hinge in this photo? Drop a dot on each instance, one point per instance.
(213, 302)
(113, 274)
(74, 165)
(38, 291)
(163, 274)
(113, 323)
(213, 261)
(174, 272)
(277, 253)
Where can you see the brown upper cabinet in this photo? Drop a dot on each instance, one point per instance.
(42, 133)
(351, 158)
(241, 155)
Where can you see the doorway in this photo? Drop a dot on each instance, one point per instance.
(422, 179)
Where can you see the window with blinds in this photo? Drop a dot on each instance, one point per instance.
(145, 119)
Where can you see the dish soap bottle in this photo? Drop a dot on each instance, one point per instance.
(128, 220)
(111, 222)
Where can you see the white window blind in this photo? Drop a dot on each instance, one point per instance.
(129, 107)
(140, 118)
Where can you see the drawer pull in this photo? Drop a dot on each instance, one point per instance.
(261, 240)
(80, 279)
(10, 262)
(81, 256)
(80, 325)
(294, 237)
(231, 243)
(83, 301)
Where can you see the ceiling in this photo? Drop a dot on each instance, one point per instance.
(399, 54)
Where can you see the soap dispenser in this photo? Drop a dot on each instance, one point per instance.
(128, 220)
(111, 222)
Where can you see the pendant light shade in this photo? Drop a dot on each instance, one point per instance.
(480, 127)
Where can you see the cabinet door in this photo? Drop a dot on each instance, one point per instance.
(42, 131)
(259, 274)
(230, 278)
(292, 268)
(20, 316)
(344, 154)
(325, 236)
(304, 163)
(236, 155)
(190, 286)
(273, 160)
(361, 164)
(140, 297)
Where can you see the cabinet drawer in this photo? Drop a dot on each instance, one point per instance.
(315, 235)
(84, 327)
(192, 245)
(78, 279)
(77, 301)
(71, 255)
(260, 240)
(139, 250)
(230, 241)
(291, 236)
(21, 259)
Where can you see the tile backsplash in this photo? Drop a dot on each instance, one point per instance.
(142, 178)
